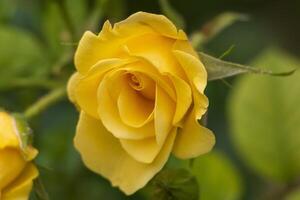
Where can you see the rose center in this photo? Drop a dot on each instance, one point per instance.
(142, 84)
(135, 82)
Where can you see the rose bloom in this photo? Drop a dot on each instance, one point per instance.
(139, 87)
(16, 169)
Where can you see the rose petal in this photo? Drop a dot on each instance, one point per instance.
(103, 154)
(185, 46)
(157, 51)
(92, 48)
(193, 139)
(71, 87)
(21, 187)
(11, 165)
(144, 150)
(163, 115)
(158, 23)
(200, 103)
(8, 137)
(135, 110)
(193, 68)
(184, 98)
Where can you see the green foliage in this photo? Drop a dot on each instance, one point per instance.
(265, 116)
(172, 14)
(215, 26)
(174, 184)
(21, 56)
(39, 189)
(116, 9)
(7, 9)
(218, 178)
(54, 29)
(294, 195)
(78, 11)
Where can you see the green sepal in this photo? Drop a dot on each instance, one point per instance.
(24, 132)
(174, 184)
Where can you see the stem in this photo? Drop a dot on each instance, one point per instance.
(40, 190)
(191, 163)
(45, 101)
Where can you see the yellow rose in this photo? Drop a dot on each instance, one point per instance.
(16, 170)
(139, 86)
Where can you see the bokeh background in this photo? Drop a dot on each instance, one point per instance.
(256, 118)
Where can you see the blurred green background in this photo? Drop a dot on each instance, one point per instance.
(256, 118)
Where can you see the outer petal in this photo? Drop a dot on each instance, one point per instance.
(103, 154)
(193, 68)
(200, 104)
(8, 137)
(93, 48)
(109, 115)
(197, 76)
(193, 139)
(11, 165)
(71, 87)
(158, 23)
(21, 187)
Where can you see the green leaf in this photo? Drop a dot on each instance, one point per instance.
(172, 14)
(264, 116)
(21, 56)
(174, 184)
(219, 69)
(294, 195)
(54, 30)
(218, 178)
(215, 26)
(7, 9)
(78, 11)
